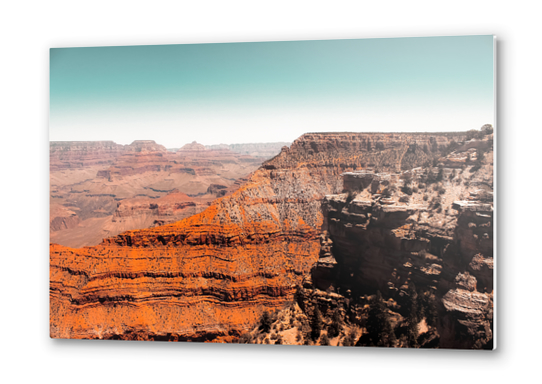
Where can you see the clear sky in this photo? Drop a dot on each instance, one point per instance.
(270, 91)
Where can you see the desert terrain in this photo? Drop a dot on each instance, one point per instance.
(352, 239)
(100, 189)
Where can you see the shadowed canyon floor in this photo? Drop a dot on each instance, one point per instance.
(334, 232)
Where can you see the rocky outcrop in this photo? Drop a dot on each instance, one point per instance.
(78, 154)
(62, 218)
(261, 150)
(211, 275)
(386, 234)
(191, 148)
(92, 187)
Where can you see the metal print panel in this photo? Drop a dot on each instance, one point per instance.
(327, 193)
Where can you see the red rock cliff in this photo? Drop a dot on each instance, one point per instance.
(212, 274)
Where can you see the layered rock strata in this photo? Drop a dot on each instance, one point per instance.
(78, 154)
(211, 275)
(92, 181)
(402, 235)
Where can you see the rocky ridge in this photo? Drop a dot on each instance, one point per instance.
(210, 276)
(406, 260)
(91, 181)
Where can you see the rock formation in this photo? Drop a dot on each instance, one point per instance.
(423, 240)
(77, 154)
(91, 181)
(261, 150)
(212, 275)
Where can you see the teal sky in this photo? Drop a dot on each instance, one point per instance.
(270, 91)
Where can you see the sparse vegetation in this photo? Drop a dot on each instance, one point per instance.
(487, 129)
(475, 134)
(407, 190)
(335, 327)
(266, 321)
(379, 329)
(350, 339)
(316, 324)
(246, 338)
(413, 318)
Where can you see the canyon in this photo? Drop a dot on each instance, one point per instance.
(335, 231)
(100, 189)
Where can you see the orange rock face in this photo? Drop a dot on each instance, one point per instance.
(211, 275)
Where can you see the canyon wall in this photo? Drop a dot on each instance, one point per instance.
(77, 154)
(423, 234)
(210, 276)
(94, 183)
(262, 150)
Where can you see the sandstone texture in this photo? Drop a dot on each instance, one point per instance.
(422, 238)
(212, 275)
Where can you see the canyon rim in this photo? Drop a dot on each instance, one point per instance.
(326, 193)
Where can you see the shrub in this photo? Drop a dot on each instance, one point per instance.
(335, 327)
(415, 190)
(266, 321)
(425, 197)
(324, 340)
(451, 147)
(389, 191)
(487, 129)
(299, 297)
(350, 339)
(404, 199)
(407, 190)
(440, 174)
(472, 134)
(246, 338)
(421, 185)
(316, 324)
(379, 330)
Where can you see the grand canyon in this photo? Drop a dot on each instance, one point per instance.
(335, 239)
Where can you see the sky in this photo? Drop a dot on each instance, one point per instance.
(270, 91)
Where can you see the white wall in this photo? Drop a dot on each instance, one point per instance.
(28, 30)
